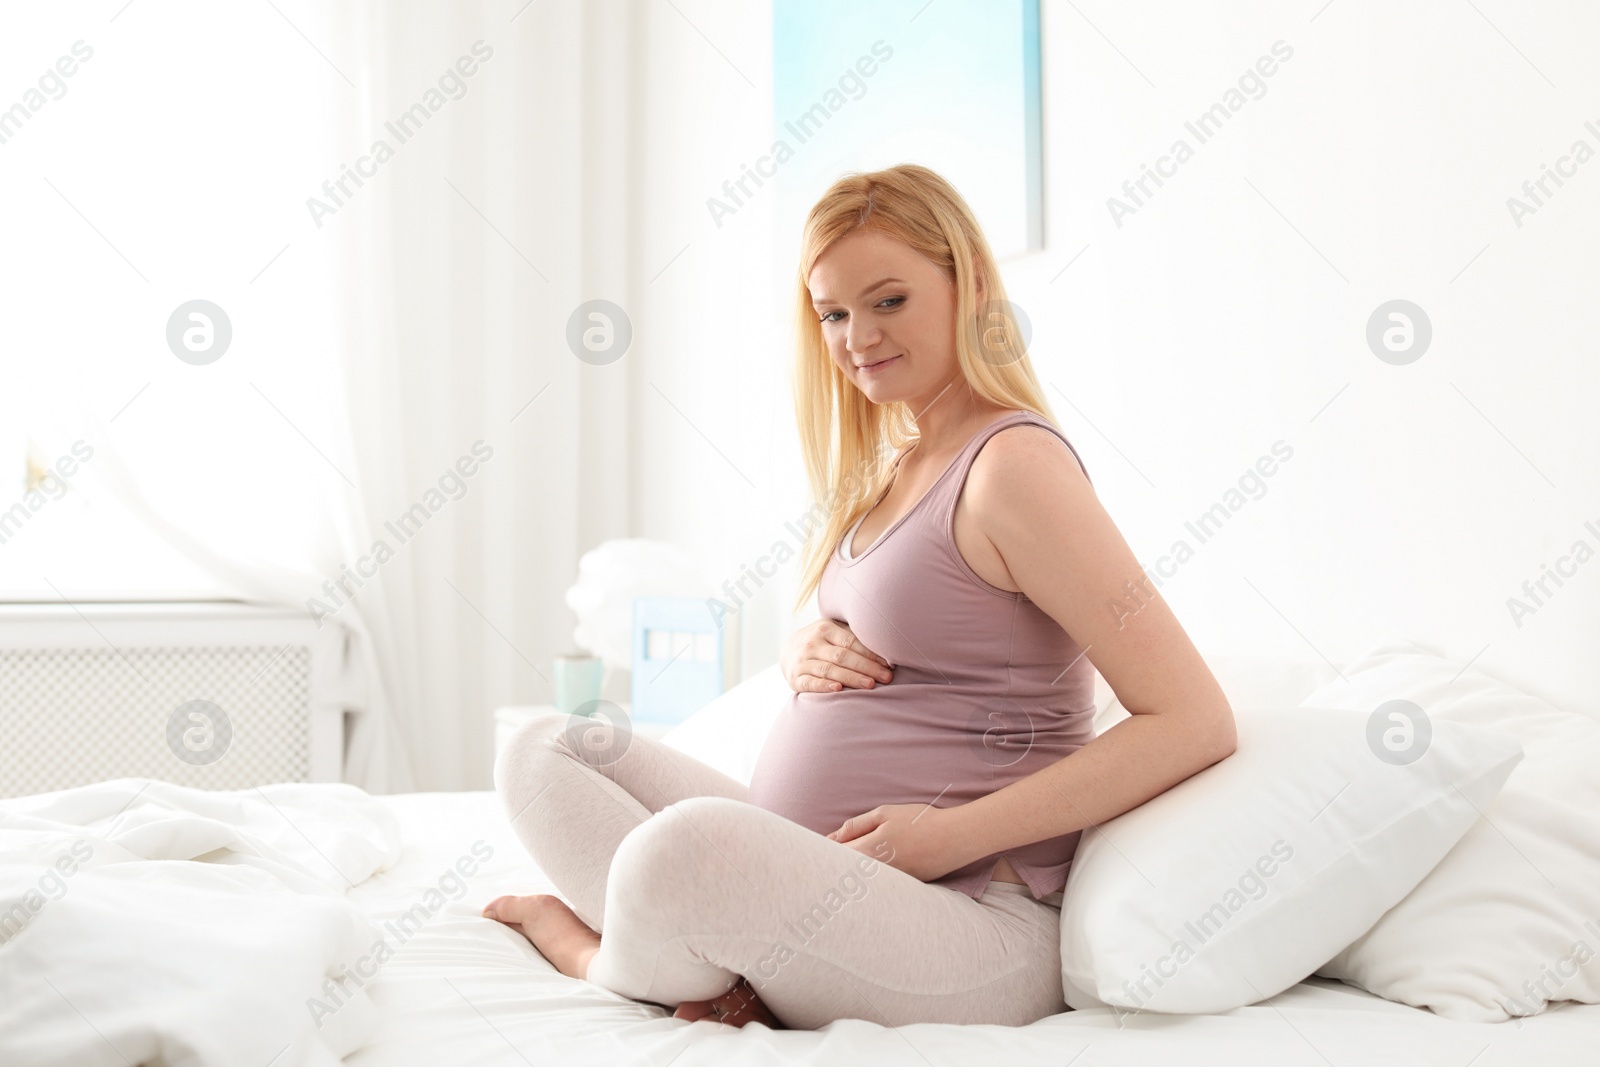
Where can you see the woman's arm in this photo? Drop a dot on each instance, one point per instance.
(1034, 504)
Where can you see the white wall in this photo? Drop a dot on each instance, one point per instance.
(1206, 327)
(1228, 313)
(717, 462)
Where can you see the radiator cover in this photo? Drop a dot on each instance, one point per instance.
(218, 696)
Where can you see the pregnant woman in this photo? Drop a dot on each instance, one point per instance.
(901, 850)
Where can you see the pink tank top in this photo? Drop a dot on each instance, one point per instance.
(987, 688)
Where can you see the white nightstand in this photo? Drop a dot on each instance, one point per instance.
(510, 718)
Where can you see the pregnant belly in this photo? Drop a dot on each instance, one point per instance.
(832, 756)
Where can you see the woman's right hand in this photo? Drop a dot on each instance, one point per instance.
(824, 656)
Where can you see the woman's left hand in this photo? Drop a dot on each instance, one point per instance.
(914, 838)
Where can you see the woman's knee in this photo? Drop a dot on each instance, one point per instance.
(523, 763)
(686, 843)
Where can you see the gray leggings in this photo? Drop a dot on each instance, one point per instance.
(691, 886)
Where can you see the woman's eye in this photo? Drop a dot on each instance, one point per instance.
(891, 303)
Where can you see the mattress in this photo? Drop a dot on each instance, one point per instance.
(462, 990)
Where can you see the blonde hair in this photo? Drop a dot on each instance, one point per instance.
(845, 439)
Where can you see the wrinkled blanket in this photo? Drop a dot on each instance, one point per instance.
(148, 923)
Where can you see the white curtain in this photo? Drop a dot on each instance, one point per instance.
(233, 477)
(399, 414)
(461, 261)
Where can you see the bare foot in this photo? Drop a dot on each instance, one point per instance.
(736, 1007)
(559, 935)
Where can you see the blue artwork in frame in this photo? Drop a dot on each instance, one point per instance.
(682, 660)
(953, 85)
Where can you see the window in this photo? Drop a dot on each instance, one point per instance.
(151, 156)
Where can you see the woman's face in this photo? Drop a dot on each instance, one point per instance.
(887, 317)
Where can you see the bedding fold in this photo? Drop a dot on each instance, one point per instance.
(145, 922)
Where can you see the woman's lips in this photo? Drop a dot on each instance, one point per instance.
(874, 368)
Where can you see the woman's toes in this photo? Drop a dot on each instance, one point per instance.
(736, 1007)
(693, 1010)
(498, 908)
(513, 909)
(740, 1005)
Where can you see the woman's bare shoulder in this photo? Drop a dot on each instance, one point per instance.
(1018, 454)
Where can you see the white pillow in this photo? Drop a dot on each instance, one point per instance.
(1242, 880)
(1510, 919)
(728, 732)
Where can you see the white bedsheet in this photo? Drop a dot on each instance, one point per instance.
(148, 923)
(463, 990)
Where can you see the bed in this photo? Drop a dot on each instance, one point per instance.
(466, 991)
(140, 954)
